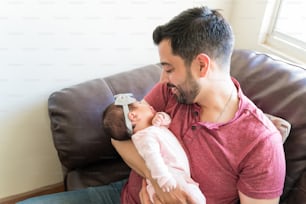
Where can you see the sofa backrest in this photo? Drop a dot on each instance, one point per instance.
(279, 88)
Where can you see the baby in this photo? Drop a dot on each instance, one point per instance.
(156, 144)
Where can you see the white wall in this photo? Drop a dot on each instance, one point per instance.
(47, 45)
(247, 19)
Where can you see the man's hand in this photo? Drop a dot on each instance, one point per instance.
(176, 196)
(143, 194)
(169, 185)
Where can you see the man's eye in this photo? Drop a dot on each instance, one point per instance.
(168, 71)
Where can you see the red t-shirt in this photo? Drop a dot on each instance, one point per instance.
(244, 154)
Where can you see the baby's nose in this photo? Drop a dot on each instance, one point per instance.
(131, 115)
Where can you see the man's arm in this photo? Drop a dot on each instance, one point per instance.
(149, 145)
(131, 157)
(247, 200)
(129, 154)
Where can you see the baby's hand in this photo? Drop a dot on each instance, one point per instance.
(157, 120)
(161, 119)
(169, 185)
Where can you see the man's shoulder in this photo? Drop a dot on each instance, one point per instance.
(256, 124)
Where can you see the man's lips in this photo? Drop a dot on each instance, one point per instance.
(169, 85)
(172, 87)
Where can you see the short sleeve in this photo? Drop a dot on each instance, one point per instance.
(263, 170)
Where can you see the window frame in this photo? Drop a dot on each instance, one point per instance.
(284, 45)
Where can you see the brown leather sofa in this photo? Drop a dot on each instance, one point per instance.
(88, 158)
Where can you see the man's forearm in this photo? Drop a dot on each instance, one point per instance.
(129, 154)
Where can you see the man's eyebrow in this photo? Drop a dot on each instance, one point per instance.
(165, 64)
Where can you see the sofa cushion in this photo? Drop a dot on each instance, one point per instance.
(282, 125)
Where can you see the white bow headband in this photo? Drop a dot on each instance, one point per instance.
(124, 100)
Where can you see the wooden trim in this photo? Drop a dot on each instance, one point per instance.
(55, 188)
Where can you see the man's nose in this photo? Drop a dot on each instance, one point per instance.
(164, 77)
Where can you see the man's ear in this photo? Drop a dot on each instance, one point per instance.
(204, 63)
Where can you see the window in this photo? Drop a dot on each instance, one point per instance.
(286, 32)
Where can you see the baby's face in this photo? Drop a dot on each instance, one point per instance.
(140, 115)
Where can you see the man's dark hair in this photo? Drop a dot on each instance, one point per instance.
(114, 123)
(198, 30)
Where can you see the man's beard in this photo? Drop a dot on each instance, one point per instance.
(186, 92)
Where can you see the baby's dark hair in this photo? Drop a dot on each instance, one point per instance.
(114, 123)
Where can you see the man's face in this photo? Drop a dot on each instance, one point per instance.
(178, 78)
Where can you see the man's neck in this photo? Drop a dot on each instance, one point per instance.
(220, 104)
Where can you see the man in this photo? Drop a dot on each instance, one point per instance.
(235, 152)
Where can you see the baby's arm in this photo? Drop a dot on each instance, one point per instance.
(161, 119)
(149, 149)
